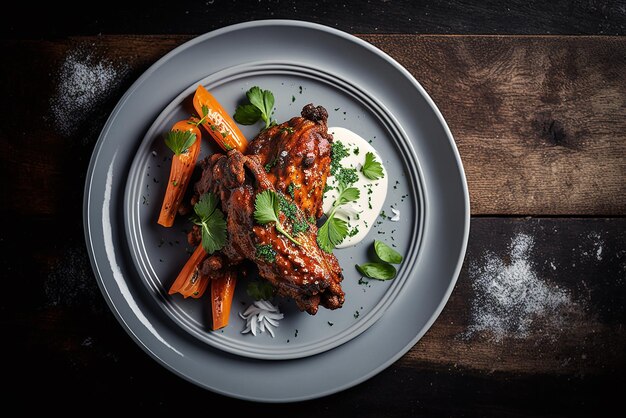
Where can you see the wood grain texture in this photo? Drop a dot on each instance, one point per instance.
(67, 341)
(567, 17)
(540, 126)
(540, 122)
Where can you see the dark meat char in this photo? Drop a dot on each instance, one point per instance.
(305, 273)
(297, 154)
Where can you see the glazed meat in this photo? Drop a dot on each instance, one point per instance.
(296, 156)
(308, 275)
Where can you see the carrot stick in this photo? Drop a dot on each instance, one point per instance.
(189, 282)
(217, 121)
(222, 290)
(181, 171)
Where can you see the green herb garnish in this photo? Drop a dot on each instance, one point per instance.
(347, 176)
(372, 169)
(211, 219)
(260, 107)
(291, 189)
(337, 152)
(381, 270)
(386, 253)
(267, 209)
(334, 230)
(272, 163)
(260, 290)
(300, 226)
(266, 253)
(180, 141)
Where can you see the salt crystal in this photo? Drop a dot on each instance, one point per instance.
(511, 297)
(83, 84)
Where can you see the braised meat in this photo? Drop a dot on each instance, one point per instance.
(296, 156)
(308, 275)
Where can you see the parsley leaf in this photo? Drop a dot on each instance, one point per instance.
(247, 114)
(260, 107)
(347, 194)
(211, 219)
(267, 209)
(379, 271)
(335, 230)
(332, 233)
(180, 141)
(372, 169)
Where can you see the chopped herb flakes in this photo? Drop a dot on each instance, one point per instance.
(288, 208)
(300, 226)
(337, 152)
(291, 190)
(272, 163)
(266, 252)
(347, 176)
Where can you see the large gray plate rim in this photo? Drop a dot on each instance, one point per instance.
(444, 235)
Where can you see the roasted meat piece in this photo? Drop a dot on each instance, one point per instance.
(296, 156)
(308, 275)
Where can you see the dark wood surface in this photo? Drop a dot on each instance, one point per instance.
(540, 123)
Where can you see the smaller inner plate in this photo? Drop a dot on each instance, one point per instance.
(159, 253)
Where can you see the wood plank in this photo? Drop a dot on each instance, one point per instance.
(560, 351)
(540, 122)
(355, 16)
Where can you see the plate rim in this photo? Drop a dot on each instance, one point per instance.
(300, 24)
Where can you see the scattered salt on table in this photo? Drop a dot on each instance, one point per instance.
(509, 297)
(83, 84)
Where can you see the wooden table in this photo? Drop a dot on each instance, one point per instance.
(540, 123)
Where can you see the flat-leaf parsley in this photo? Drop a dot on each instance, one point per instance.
(334, 230)
(372, 169)
(211, 219)
(267, 209)
(180, 141)
(260, 107)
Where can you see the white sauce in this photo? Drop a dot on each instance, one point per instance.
(362, 213)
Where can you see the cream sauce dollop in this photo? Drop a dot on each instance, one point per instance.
(362, 213)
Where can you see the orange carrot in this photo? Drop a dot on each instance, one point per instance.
(217, 121)
(189, 282)
(181, 171)
(222, 290)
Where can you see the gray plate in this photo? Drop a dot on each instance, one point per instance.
(135, 260)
